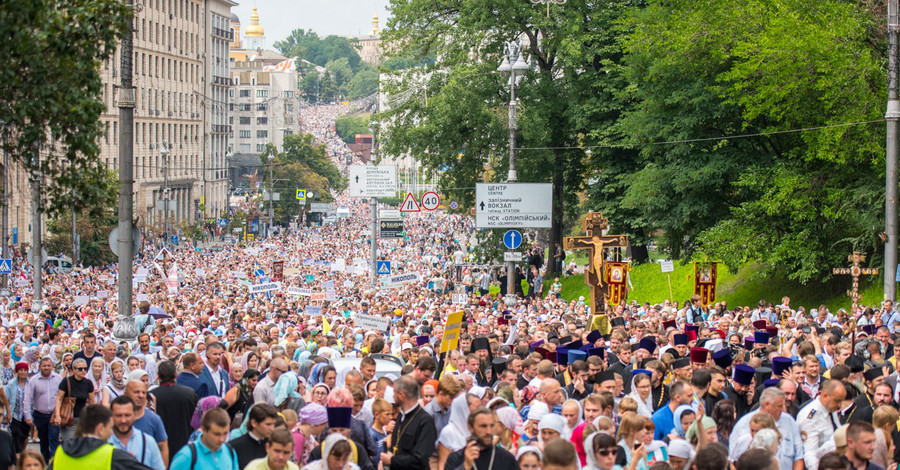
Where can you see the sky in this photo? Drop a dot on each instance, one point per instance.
(340, 17)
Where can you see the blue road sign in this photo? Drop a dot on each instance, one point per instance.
(310, 278)
(15, 235)
(223, 222)
(512, 239)
(454, 205)
(5, 266)
(259, 272)
(175, 239)
(383, 268)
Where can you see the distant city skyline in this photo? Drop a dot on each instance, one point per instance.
(338, 17)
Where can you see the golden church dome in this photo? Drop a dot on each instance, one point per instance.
(254, 30)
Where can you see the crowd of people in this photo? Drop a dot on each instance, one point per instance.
(220, 378)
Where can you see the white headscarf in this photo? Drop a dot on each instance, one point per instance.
(551, 421)
(645, 407)
(454, 436)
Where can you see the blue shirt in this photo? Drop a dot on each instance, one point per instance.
(664, 420)
(222, 459)
(790, 449)
(142, 447)
(151, 424)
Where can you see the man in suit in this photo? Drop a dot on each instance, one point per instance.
(215, 377)
(414, 435)
(190, 377)
(175, 405)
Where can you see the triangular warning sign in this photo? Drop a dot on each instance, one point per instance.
(410, 204)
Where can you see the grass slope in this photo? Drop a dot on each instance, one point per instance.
(745, 287)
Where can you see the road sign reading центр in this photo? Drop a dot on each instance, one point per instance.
(513, 205)
(373, 181)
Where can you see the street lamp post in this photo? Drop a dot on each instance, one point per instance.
(892, 116)
(514, 64)
(271, 195)
(164, 151)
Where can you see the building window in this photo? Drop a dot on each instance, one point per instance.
(231, 93)
(290, 107)
(245, 120)
(260, 134)
(244, 107)
(260, 120)
(289, 94)
(260, 147)
(262, 93)
(262, 107)
(244, 134)
(245, 93)
(245, 148)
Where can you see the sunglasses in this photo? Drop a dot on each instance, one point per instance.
(607, 452)
(81, 368)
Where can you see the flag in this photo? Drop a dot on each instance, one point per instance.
(326, 327)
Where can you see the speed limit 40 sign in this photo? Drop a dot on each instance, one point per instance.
(430, 201)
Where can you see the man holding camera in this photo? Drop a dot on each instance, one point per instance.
(480, 453)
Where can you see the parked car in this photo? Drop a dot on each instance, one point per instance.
(59, 264)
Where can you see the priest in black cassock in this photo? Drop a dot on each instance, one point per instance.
(414, 435)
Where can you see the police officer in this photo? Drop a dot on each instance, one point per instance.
(817, 424)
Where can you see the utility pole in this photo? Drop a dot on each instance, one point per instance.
(892, 116)
(75, 240)
(36, 256)
(5, 281)
(271, 196)
(373, 261)
(125, 328)
(165, 154)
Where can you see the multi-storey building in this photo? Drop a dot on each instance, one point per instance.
(265, 97)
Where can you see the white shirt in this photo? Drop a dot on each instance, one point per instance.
(817, 431)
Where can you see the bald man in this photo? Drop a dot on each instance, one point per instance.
(146, 420)
(265, 389)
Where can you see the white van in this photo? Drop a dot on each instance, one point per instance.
(343, 213)
(59, 264)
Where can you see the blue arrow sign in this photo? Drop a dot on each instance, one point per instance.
(512, 239)
(5, 266)
(259, 272)
(383, 268)
(174, 239)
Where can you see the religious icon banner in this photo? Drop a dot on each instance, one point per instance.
(705, 276)
(616, 280)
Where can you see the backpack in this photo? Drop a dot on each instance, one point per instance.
(562, 255)
(193, 448)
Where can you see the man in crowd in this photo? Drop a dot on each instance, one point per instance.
(265, 389)
(174, 404)
(480, 451)
(252, 445)
(817, 423)
(414, 436)
(209, 452)
(771, 401)
(40, 399)
(146, 420)
(279, 450)
(134, 441)
(89, 447)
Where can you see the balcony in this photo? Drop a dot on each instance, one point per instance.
(221, 128)
(222, 33)
(221, 81)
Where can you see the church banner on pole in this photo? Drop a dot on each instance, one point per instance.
(705, 276)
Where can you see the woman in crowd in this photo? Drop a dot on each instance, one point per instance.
(723, 414)
(601, 451)
(631, 436)
(529, 458)
(98, 378)
(319, 393)
(313, 419)
(116, 385)
(75, 386)
(64, 366)
(453, 436)
(884, 420)
(641, 389)
(683, 417)
(7, 367)
(205, 404)
(508, 428)
(240, 396)
(335, 455)
(235, 374)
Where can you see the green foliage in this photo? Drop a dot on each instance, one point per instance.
(94, 223)
(51, 93)
(302, 164)
(307, 45)
(348, 126)
(345, 76)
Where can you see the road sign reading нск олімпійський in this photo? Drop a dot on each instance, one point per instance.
(373, 181)
(512, 205)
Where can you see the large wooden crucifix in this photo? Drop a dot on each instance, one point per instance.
(595, 241)
(855, 271)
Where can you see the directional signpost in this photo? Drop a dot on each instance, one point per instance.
(321, 207)
(383, 268)
(373, 181)
(513, 205)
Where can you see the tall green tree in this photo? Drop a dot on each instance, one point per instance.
(705, 70)
(451, 114)
(94, 222)
(51, 91)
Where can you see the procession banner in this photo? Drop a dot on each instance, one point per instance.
(390, 282)
(372, 322)
(616, 280)
(451, 332)
(264, 287)
(298, 291)
(277, 270)
(705, 276)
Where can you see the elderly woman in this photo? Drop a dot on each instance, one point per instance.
(335, 455)
(98, 377)
(75, 386)
(7, 367)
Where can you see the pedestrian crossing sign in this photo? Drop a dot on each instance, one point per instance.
(383, 268)
(5, 266)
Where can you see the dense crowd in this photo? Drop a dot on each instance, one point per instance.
(220, 378)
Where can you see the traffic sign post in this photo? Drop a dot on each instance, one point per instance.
(512, 239)
(391, 228)
(5, 266)
(513, 205)
(383, 268)
(223, 222)
(430, 201)
(410, 204)
(454, 205)
(301, 194)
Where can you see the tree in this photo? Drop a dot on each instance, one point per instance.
(51, 91)
(451, 114)
(705, 70)
(302, 164)
(93, 224)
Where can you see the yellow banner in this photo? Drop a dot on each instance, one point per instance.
(451, 332)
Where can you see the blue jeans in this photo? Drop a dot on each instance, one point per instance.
(47, 433)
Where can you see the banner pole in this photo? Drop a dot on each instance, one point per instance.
(669, 275)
